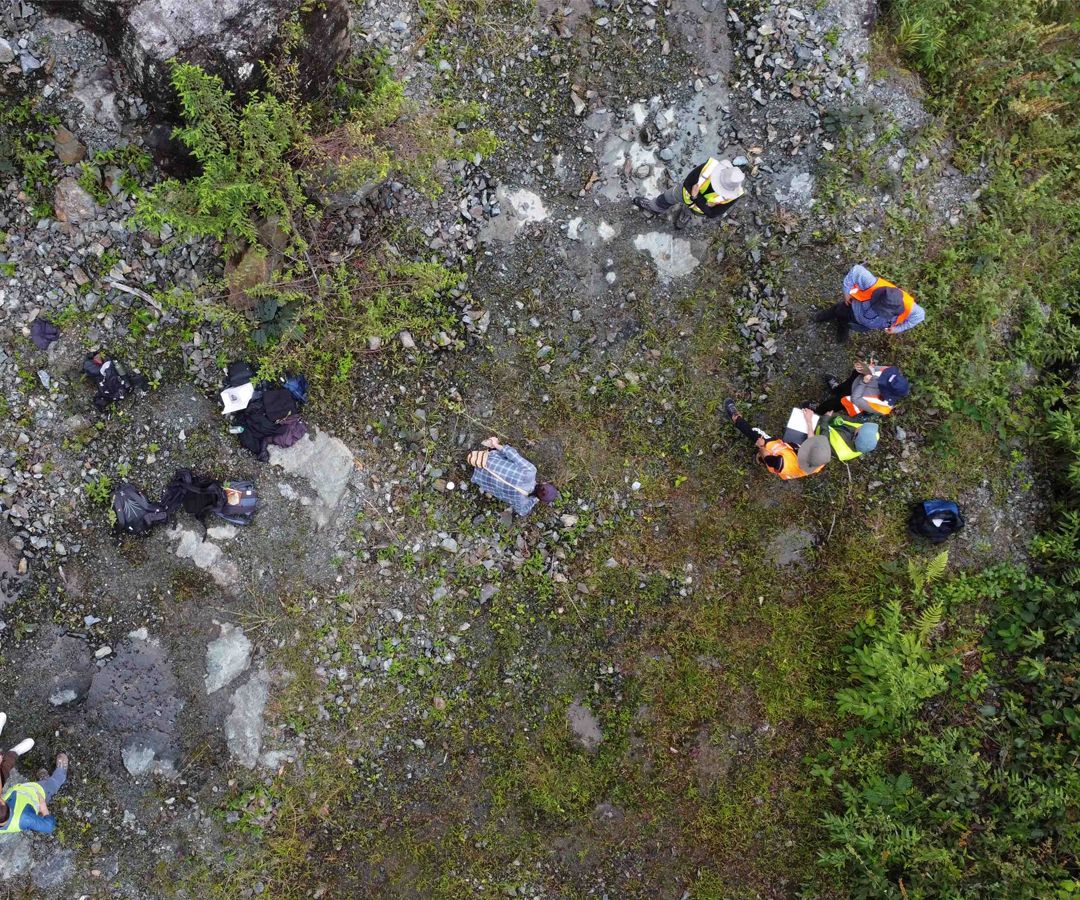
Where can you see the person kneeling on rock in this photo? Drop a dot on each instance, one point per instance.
(25, 807)
(784, 460)
(709, 190)
(505, 474)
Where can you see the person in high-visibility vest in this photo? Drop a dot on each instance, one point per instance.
(784, 460)
(709, 190)
(25, 806)
(849, 436)
(870, 389)
(872, 304)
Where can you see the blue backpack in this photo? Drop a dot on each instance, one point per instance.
(935, 520)
(297, 386)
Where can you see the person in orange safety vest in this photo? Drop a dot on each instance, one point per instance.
(872, 304)
(784, 460)
(869, 389)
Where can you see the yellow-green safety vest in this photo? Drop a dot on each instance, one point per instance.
(17, 798)
(843, 450)
(706, 192)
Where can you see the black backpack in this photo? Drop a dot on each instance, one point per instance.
(114, 380)
(240, 502)
(935, 520)
(198, 495)
(134, 513)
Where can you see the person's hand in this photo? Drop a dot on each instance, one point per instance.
(492, 443)
(760, 443)
(847, 299)
(695, 190)
(863, 368)
(890, 329)
(43, 808)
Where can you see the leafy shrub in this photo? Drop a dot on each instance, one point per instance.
(977, 800)
(262, 162)
(248, 164)
(99, 490)
(26, 148)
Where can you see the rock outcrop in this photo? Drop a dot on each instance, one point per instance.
(226, 37)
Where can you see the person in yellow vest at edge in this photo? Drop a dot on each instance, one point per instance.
(871, 304)
(849, 436)
(709, 191)
(870, 389)
(25, 807)
(784, 460)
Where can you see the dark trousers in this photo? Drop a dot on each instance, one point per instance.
(832, 402)
(841, 314)
(748, 431)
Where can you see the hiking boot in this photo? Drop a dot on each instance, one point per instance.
(832, 382)
(842, 332)
(62, 761)
(682, 218)
(729, 408)
(823, 315)
(645, 204)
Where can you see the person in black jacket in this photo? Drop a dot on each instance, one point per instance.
(709, 190)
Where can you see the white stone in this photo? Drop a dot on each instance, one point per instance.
(226, 657)
(244, 725)
(325, 463)
(221, 532)
(672, 256)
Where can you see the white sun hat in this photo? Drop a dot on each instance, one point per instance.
(237, 398)
(729, 180)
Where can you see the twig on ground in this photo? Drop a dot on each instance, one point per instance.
(137, 292)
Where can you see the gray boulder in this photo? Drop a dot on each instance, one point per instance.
(226, 37)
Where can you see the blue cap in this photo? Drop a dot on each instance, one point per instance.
(893, 384)
(867, 437)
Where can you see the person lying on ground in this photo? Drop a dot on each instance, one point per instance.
(784, 460)
(709, 190)
(25, 807)
(871, 389)
(504, 473)
(871, 304)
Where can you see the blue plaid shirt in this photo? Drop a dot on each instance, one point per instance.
(509, 477)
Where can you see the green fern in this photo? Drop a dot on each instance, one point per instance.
(929, 619)
(936, 567)
(248, 159)
(893, 670)
(922, 576)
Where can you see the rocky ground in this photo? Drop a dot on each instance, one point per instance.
(469, 705)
